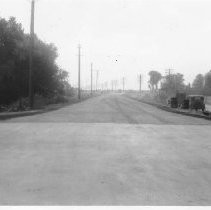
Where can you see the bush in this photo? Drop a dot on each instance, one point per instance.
(61, 99)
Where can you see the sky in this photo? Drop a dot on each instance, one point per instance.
(123, 38)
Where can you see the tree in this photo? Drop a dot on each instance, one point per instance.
(155, 77)
(179, 82)
(11, 39)
(207, 83)
(173, 83)
(198, 84)
(14, 65)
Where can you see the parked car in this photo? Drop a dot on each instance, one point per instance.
(174, 102)
(196, 102)
(185, 104)
(177, 100)
(180, 98)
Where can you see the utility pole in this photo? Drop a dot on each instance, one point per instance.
(91, 76)
(123, 84)
(31, 90)
(97, 72)
(169, 73)
(79, 71)
(140, 84)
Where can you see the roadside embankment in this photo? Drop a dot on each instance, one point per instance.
(192, 113)
(46, 108)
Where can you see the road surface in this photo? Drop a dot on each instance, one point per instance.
(108, 150)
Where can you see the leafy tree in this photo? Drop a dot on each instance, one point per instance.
(179, 82)
(173, 83)
(155, 77)
(207, 84)
(11, 39)
(198, 84)
(48, 78)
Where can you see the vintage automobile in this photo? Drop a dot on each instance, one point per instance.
(185, 104)
(196, 102)
(180, 98)
(176, 101)
(173, 102)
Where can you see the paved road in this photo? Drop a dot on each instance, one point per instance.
(115, 108)
(108, 150)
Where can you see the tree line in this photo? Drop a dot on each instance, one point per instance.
(48, 79)
(172, 83)
(202, 84)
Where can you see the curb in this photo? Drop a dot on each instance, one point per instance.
(168, 109)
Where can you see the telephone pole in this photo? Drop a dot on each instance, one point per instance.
(31, 91)
(91, 76)
(123, 84)
(97, 75)
(140, 84)
(169, 72)
(79, 71)
(171, 76)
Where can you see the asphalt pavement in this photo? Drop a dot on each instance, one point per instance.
(107, 150)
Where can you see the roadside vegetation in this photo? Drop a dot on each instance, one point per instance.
(50, 82)
(164, 87)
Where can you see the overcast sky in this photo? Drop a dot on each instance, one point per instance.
(123, 38)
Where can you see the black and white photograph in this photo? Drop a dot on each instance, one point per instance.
(105, 103)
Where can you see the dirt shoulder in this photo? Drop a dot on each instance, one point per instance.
(169, 109)
(44, 109)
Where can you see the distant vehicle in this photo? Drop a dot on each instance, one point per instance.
(180, 98)
(177, 100)
(185, 104)
(196, 102)
(173, 102)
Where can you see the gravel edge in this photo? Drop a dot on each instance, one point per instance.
(169, 109)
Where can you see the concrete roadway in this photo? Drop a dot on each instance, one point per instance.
(108, 150)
